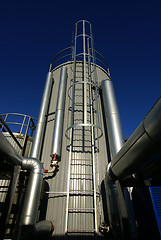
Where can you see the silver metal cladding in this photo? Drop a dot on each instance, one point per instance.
(59, 115)
(142, 145)
(33, 191)
(114, 128)
(116, 141)
(36, 148)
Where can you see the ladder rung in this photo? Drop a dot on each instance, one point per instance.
(82, 178)
(81, 159)
(82, 164)
(87, 193)
(84, 174)
(81, 210)
(80, 230)
(78, 190)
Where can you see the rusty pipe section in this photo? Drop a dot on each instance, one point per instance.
(30, 229)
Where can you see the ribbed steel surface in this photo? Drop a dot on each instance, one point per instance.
(20, 138)
(81, 167)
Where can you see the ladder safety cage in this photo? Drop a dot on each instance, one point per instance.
(83, 132)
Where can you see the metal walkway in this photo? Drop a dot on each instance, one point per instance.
(83, 132)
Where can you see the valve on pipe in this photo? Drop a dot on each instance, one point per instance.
(59, 119)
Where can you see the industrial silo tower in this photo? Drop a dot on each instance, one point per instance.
(72, 140)
(78, 178)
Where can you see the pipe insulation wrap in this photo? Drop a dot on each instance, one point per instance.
(42, 230)
(114, 128)
(31, 202)
(116, 141)
(59, 115)
(40, 127)
(143, 144)
(112, 206)
(29, 228)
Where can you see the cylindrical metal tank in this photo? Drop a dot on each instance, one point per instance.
(76, 155)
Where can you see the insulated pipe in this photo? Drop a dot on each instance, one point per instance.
(116, 141)
(31, 203)
(59, 115)
(30, 229)
(143, 144)
(114, 128)
(151, 169)
(33, 191)
(40, 127)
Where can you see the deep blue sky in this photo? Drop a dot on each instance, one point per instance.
(127, 33)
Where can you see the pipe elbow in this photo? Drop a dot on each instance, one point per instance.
(110, 176)
(41, 230)
(33, 165)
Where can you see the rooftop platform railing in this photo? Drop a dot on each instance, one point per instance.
(66, 55)
(18, 125)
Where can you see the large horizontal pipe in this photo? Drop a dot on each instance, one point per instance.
(59, 115)
(151, 169)
(40, 127)
(32, 196)
(143, 144)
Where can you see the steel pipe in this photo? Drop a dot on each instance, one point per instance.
(30, 229)
(59, 115)
(143, 144)
(40, 127)
(116, 141)
(114, 128)
(33, 191)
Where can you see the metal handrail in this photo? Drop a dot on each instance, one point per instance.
(10, 132)
(53, 62)
(24, 127)
(22, 124)
(100, 60)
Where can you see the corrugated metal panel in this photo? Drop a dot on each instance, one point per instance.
(144, 214)
(57, 183)
(156, 199)
(20, 138)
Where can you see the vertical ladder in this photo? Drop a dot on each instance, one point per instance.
(81, 195)
(81, 204)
